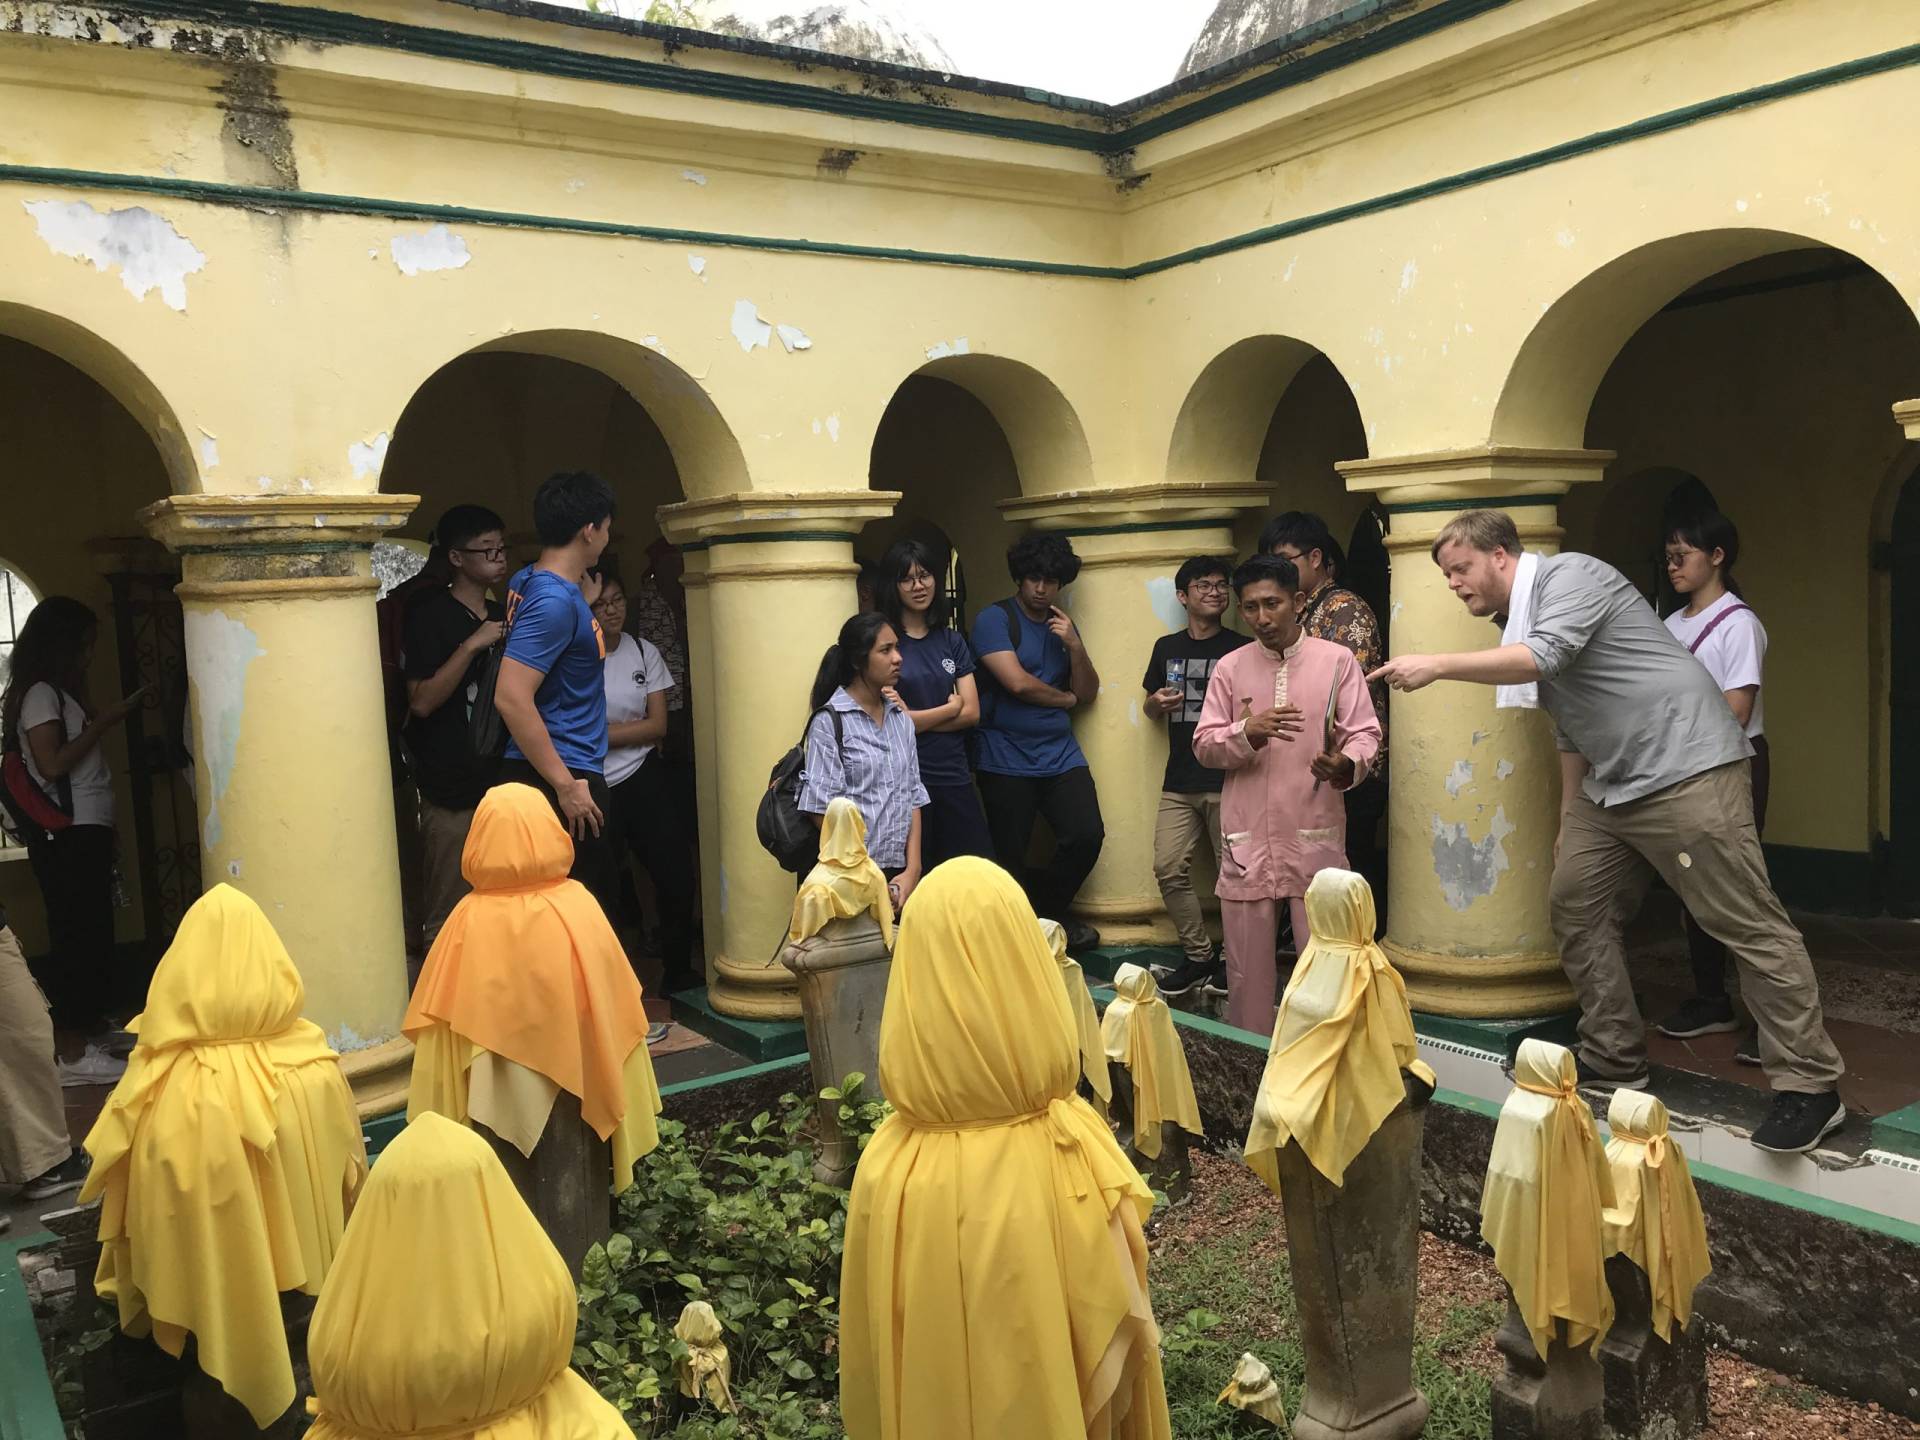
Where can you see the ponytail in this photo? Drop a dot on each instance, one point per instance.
(846, 658)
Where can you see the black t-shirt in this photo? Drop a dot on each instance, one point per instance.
(1186, 775)
(444, 766)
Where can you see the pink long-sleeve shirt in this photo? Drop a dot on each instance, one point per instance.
(1279, 830)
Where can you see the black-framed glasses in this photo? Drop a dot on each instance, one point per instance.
(485, 552)
(1209, 587)
(1671, 558)
(606, 602)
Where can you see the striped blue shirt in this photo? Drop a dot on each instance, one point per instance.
(880, 774)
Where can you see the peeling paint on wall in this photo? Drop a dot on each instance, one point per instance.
(698, 265)
(748, 328)
(693, 177)
(829, 426)
(941, 349)
(144, 247)
(1459, 777)
(368, 456)
(209, 451)
(1503, 770)
(1165, 601)
(1480, 735)
(1469, 869)
(793, 338)
(220, 649)
(435, 248)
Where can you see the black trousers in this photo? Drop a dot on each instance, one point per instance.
(1708, 955)
(650, 826)
(594, 856)
(1366, 804)
(1071, 806)
(951, 824)
(75, 873)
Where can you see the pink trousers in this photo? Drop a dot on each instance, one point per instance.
(1252, 928)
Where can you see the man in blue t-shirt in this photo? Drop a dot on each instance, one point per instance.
(552, 691)
(1035, 669)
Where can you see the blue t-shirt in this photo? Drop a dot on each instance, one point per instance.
(929, 667)
(1017, 738)
(550, 629)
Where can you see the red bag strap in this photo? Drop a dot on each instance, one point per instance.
(1693, 646)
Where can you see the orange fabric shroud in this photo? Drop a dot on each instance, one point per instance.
(527, 966)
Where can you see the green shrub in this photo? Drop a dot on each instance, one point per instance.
(740, 1222)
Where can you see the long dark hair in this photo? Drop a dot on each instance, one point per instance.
(846, 659)
(900, 558)
(48, 648)
(1708, 531)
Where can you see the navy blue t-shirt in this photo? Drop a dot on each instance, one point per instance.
(929, 667)
(1019, 738)
(550, 629)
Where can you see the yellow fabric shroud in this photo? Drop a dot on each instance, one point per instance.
(449, 1313)
(704, 1370)
(528, 968)
(1655, 1221)
(1137, 1031)
(1343, 1035)
(1548, 1185)
(1086, 1020)
(994, 1285)
(846, 882)
(228, 1156)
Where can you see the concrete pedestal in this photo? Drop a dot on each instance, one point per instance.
(1555, 1398)
(1354, 1249)
(566, 1182)
(1171, 1171)
(842, 977)
(1654, 1387)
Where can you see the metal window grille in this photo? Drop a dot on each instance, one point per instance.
(17, 599)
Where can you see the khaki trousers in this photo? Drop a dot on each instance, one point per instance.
(1183, 822)
(443, 839)
(1700, 836)
(33, 1117)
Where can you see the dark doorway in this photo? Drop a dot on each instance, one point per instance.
(1903, 695)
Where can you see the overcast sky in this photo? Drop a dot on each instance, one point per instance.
(1097, 49)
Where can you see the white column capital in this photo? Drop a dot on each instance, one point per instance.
(1494, 476)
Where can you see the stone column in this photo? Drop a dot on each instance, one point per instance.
(1130, 542)
(1906, 415)
(1473, 792)
(290, 748)
(770, 580)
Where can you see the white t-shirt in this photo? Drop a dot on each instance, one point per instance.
(90, 778)
(634, 671)
(1734, 654)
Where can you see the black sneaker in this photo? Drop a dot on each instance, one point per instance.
(1799, 1121)
(1191, 975)
(1590, 1076)
(1747, 1052)
(1701, 1015)
(1081, 936)
(69, 1174)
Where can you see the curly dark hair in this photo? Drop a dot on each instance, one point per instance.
(1043, 556)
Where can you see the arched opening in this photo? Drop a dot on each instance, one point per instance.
(487, 428)
(84, 466)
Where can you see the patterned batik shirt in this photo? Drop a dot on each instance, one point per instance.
(1335, 613)
(651, 616)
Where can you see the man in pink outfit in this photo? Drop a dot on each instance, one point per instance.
(1282, 813)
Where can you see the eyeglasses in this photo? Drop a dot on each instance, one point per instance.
(1679, 557)
(614, 602)
(1295, 558)
(485, 552)
(1209, 587)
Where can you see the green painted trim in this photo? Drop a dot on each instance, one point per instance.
(746, 1072)
(759, 1040)
(1491, 502)
(1143, 527)
(1898, 1132)
(259, 197)
(1500, 1038)
(28, 1410)
(381, 1129)
(768, 537)
(1778, 1194)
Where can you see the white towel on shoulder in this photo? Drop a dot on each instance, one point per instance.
(1519, 621)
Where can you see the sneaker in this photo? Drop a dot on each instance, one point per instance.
(69, 1174)
(95, 1067)
(1798, 1121)
(1590, 1076)
(1081, 936)
(1747, 1052)
(1190, 976)
(658, 1032)
(1701, 1015)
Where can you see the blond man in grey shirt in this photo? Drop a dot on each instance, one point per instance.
(1654, 778)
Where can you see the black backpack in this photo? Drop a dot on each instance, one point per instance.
(989, 687)
(786, 832)
(486, 731)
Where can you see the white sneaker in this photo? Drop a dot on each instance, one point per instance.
(96, 1067)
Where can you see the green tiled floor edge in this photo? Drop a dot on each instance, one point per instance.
(1496, 1037)
(27, 1407)
(756, 1039)
(1898, 1132)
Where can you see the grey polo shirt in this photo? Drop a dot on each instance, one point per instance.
(1621, 690)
